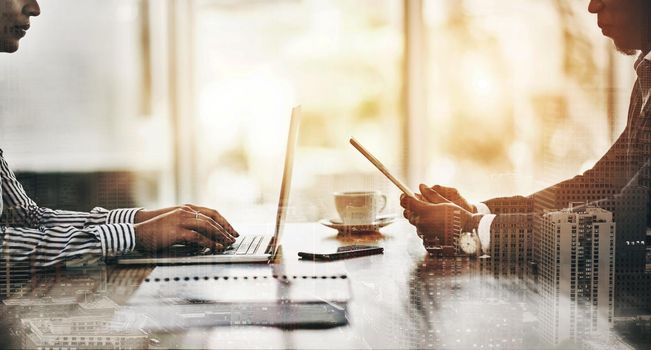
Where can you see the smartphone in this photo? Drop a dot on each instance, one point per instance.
(343, 253)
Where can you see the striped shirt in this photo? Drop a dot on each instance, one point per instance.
(46, 237)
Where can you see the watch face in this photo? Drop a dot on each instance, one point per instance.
(468, 243)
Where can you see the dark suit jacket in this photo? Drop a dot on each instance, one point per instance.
(619, 182)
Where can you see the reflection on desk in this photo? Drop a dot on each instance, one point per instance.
(402, 299)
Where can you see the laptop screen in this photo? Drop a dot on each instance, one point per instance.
(286, 184)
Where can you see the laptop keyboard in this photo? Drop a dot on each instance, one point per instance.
(244, 245)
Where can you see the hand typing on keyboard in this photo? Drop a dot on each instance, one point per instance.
(183, 225)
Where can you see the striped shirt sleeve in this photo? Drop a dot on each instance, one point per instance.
(47, 247)
(45, 237)
(116, 239)
(20, 210)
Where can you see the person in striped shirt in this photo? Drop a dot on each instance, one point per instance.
(45, 237)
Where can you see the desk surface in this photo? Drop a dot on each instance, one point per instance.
(401, 299)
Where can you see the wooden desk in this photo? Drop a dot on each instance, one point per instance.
(402, 299)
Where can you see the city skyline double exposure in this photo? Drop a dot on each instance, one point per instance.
(180, 174)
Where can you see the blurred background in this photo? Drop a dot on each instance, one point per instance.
(155, 102)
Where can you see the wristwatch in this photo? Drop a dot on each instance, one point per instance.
(462, 241)
(469, 243)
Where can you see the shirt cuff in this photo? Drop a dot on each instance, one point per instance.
(117, 239)
(484, 231)
(482, 209)
(122, 216)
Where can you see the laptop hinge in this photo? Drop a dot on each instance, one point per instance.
(271, 245)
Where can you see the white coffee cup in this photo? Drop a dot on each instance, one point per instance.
(359, 208)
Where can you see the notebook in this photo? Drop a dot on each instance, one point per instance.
(305, 295)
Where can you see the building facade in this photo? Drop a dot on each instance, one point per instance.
(576, 273)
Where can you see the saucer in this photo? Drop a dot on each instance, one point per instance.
(355, 228)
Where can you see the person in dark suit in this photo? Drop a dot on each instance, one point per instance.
(619, 182)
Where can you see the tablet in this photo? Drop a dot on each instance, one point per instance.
(381, 168)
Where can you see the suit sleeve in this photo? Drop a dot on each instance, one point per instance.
(616, 168)
(613, 168)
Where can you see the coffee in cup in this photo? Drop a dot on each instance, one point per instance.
(361, 207)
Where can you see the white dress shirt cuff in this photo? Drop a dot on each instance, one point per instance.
(484, 231)
(482, 208)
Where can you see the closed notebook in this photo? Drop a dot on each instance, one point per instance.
(305, 295)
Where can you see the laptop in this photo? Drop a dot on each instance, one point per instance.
(247, 248)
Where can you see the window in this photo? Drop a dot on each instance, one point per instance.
(530, 118)
(242, 64)
(83, 103)
(340, 59)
